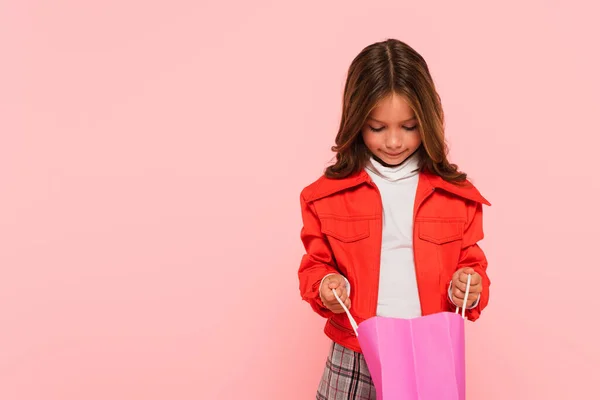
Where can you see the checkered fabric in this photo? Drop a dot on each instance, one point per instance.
(345, 377)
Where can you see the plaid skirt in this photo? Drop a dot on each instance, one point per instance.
(346, 376)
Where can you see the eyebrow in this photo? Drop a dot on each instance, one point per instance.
(381, 122)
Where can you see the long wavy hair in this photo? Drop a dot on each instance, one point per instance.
(379, 70)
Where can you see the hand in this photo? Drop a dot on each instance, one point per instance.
(338, 283)
(459, 286)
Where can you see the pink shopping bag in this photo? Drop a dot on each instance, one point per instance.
(415, 359)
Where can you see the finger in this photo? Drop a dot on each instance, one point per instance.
(463, 277)
(460, 286)
(471, 300)
(341, 290)
(476, 289)
(329, 297)
(337, 283)
(456, 275)
(472, 289)
(333, 303)
(458, 294)
(325, 283)
(343, 294)
(335, 307)
(475, 279)
(333, 283)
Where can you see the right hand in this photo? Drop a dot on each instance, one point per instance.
(338, 283)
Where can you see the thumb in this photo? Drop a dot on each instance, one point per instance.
(469, 271)
(333, 283)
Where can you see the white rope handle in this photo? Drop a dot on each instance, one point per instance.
(352, 321)
(355, 325)
(464, 305)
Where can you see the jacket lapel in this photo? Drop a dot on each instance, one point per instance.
(427, 182)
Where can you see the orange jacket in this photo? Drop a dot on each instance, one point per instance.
(342, 233)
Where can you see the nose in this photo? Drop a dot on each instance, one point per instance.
(393, 141)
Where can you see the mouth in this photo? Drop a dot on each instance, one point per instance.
(393, 155)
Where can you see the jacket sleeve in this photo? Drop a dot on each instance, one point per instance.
(472, 256)
(318, 260)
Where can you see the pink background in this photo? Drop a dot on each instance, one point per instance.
(151, 158)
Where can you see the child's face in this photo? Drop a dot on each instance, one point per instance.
(391, 131)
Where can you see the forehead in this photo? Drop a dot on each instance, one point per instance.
(392, 108)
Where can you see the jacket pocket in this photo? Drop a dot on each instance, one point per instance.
(440, 231)
(341, 326)
(345, 229)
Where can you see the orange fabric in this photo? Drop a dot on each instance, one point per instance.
(342, 233)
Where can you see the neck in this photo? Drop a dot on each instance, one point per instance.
(407, 168)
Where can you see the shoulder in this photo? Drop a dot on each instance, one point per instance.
(307, 192)
(465, 190)
(324, 186)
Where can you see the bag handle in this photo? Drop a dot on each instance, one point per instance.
(352, 321)
(355, 325)
(464, 305)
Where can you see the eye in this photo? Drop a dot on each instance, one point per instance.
(408, 128)
(375, 129)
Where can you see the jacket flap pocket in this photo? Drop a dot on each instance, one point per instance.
(345, 230)
(441, 231)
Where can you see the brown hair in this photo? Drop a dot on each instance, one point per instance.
(379, 70)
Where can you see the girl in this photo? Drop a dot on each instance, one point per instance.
(393, 226)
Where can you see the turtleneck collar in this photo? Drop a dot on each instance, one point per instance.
(408, 168)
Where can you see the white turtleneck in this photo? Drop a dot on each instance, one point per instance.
(398, 294)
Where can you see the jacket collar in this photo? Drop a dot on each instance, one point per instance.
(427, 182)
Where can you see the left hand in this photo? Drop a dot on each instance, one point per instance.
(459, 286)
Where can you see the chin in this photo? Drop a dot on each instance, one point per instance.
(393, 161)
